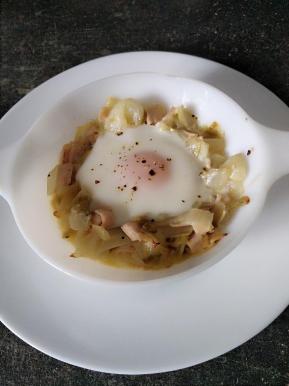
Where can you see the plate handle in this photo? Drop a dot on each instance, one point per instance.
(7, 157)
(278, 144)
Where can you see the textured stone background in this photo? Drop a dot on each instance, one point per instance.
(42, 38)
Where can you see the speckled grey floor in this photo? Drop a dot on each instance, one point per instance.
(42, 38)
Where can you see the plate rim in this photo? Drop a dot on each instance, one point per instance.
(108, 370)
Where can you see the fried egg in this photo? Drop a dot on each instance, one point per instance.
(141, 172)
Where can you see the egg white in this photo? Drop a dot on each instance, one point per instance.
(97, 175)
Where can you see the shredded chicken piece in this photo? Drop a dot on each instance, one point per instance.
(103, 217)
(155, 113)
(135, 232)
(91, 135)
(161, 241)
(65, 174)
(73, 151)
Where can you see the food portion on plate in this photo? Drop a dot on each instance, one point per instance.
(145, 186)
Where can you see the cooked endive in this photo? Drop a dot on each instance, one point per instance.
(145, 242)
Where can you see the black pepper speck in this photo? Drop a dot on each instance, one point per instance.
(152, 172)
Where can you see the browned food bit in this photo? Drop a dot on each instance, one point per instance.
(216, 236)
(103, 217)
(155, 113)
(245, 200)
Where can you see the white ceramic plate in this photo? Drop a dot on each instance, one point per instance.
(160, 327)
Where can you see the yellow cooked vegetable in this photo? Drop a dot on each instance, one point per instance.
(148, 243)
(125, 113)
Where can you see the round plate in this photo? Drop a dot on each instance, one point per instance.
(157, 327)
